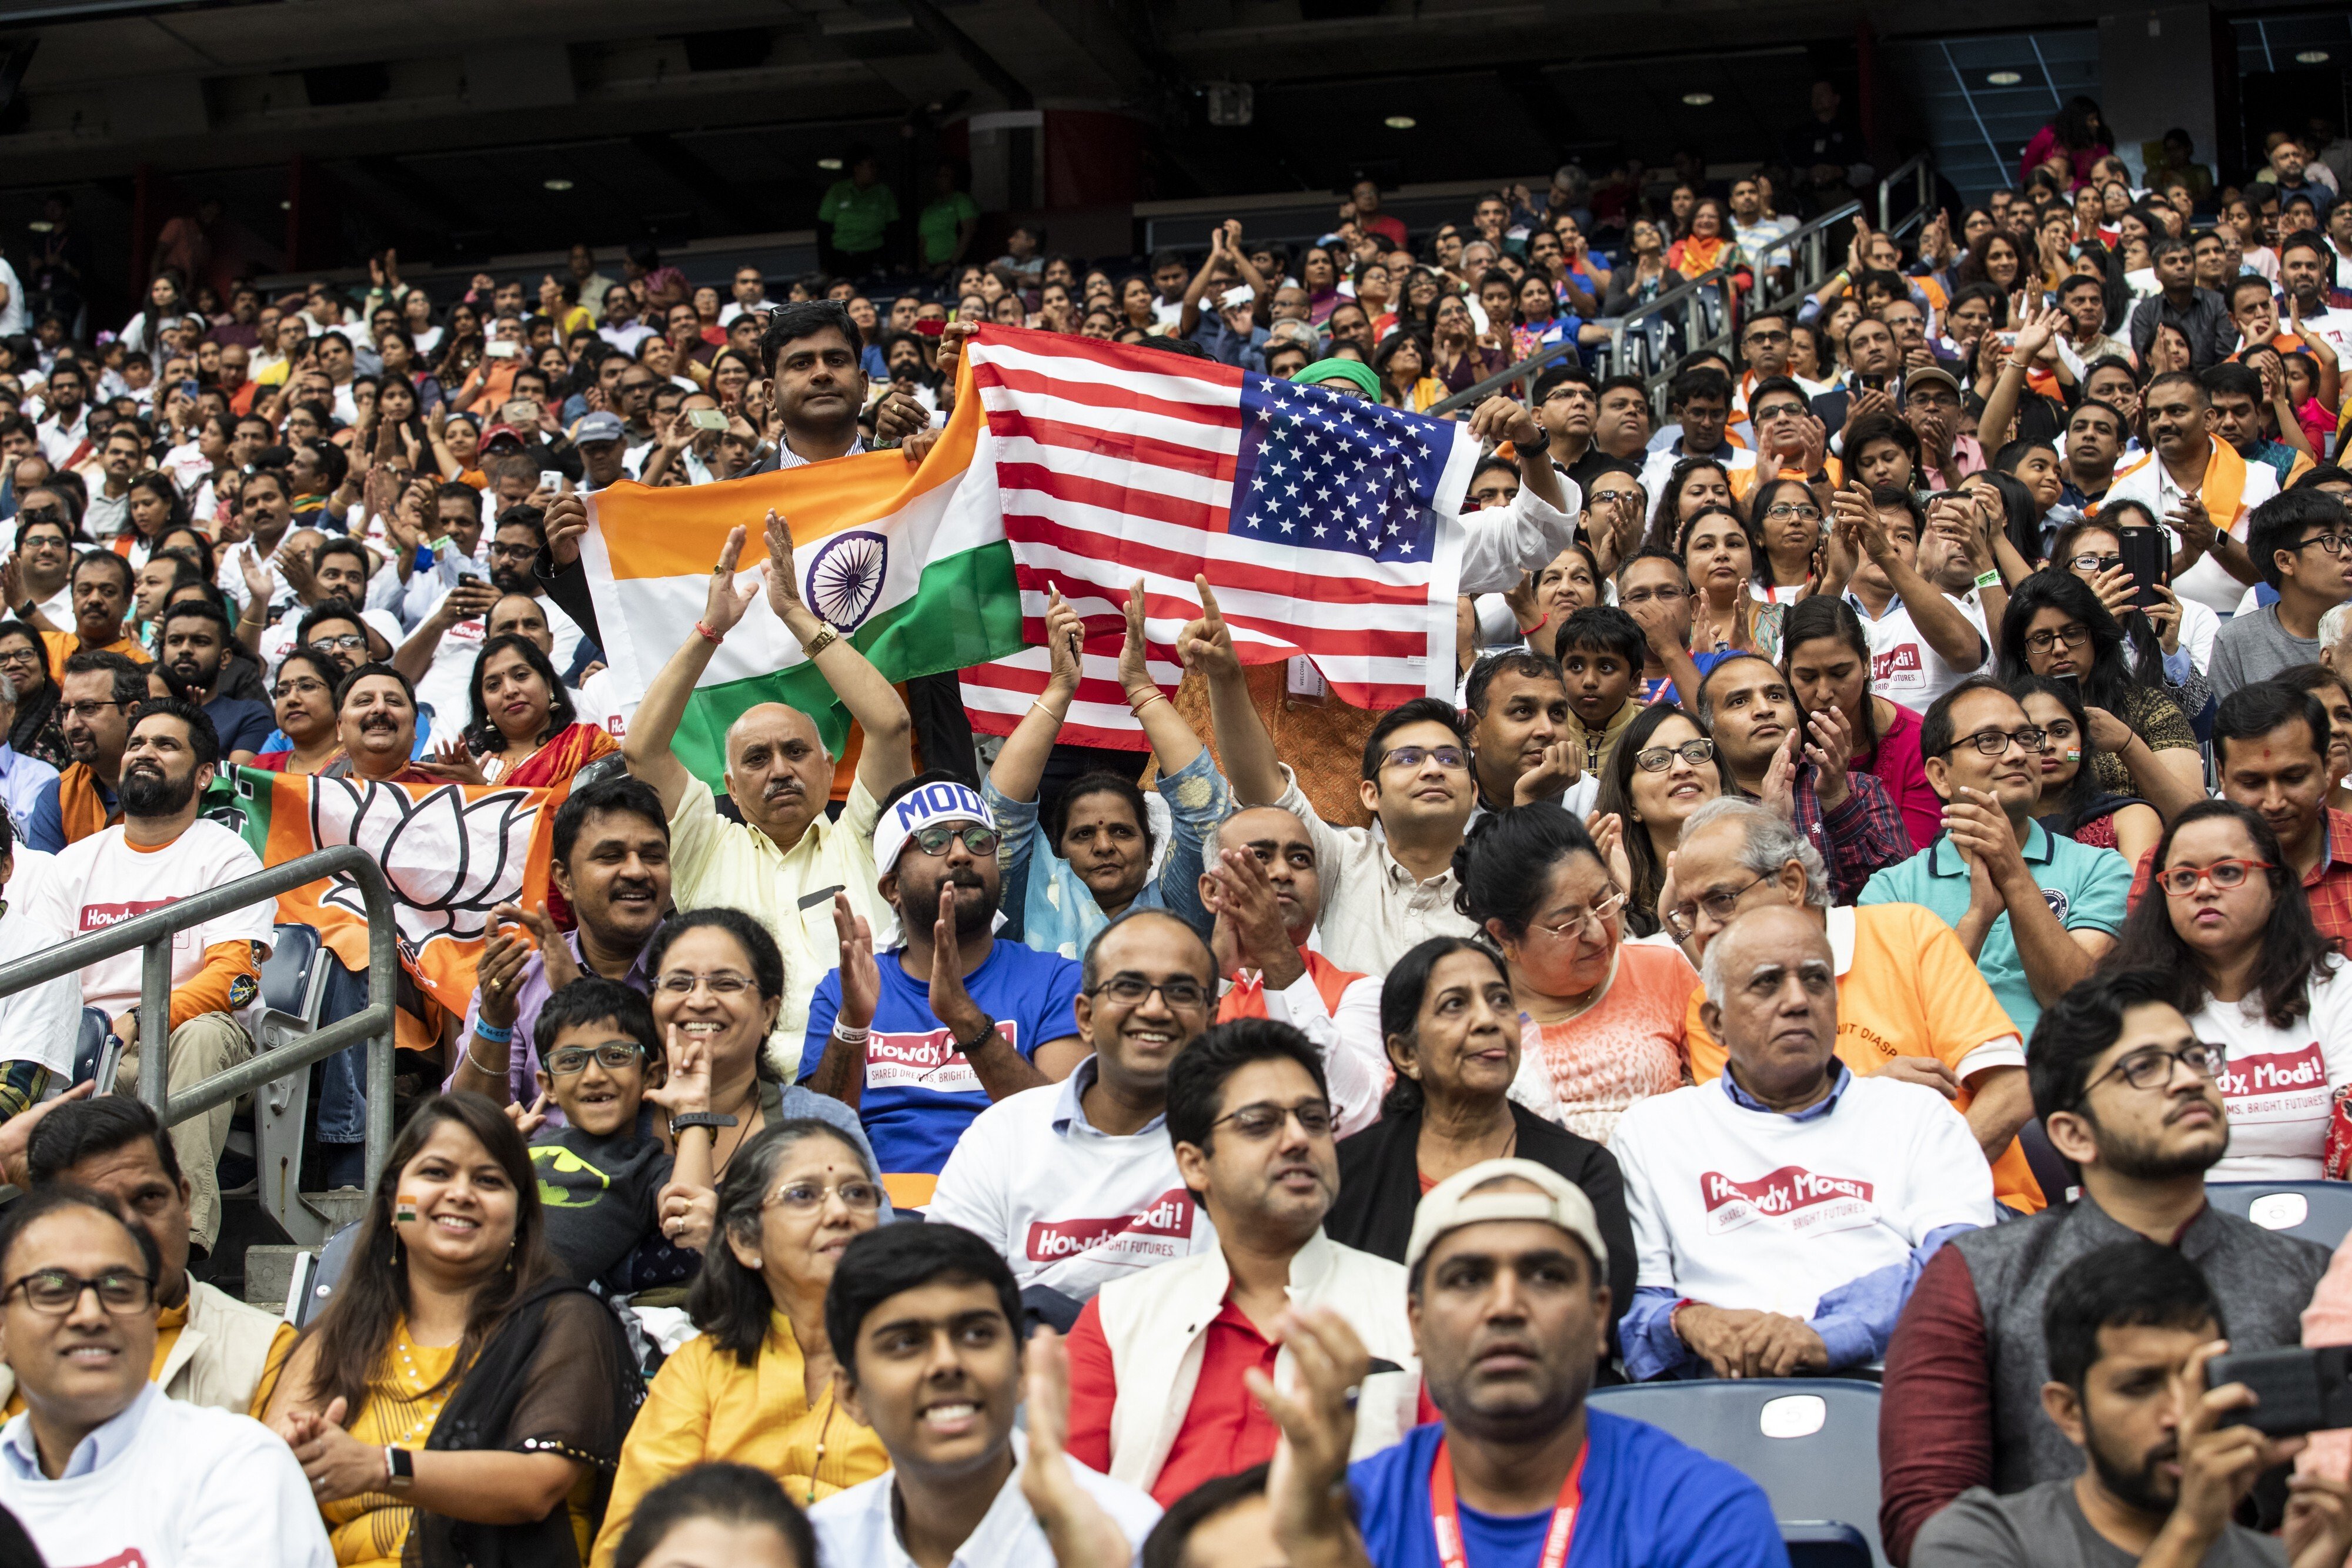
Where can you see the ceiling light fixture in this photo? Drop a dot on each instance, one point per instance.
(557, 184)
(1698, 100)
(285, 206)
(831, 165)
(1400, 122)
(2312, 57)
(2003, 79)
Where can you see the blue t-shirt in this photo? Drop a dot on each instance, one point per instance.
(242, 724)
(1649, 1503)
(920, 1092)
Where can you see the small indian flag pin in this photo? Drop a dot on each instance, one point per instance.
(404, 1209)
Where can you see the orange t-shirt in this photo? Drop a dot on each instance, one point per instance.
(1625, 1047)
(1906, 988)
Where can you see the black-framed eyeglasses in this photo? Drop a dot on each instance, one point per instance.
(934, 840)
(1992, 742)
(614, 1056)
(2095, 563)
(58, 1292)
(1658, 759)
(20, 657)
(2151, 1067)
(1177, 990)
(1265, 1119)
(2074, 636)
(2334, 544)
(1683, 918)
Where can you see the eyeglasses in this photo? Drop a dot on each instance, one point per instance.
(21, 657)
(1683, 918)
(722, 983)
(349, 643)
(57, 1293)
(2152, 1067)
(302, 686)
(1658, 759)
(2074, 636)
(1129, 990)
(1593, 919)
(1992, 742)
(2180, 881)
(1263, 1121)
(614, 1057)
(934, 841)
(1452, 758)
(514, 552)
(2334, 544)
(1767, 336)
(1781, 510)
(2095, 563)
(87, 712)
(808, 1196)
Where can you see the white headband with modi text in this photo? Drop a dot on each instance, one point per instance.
(943, 801)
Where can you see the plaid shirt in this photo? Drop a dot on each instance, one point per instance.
(2327, 886)
(1858, 838)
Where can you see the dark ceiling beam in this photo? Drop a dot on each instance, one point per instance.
(706, 185)
(953, 39)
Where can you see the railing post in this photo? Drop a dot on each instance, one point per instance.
(384, 971)
(154, 1023)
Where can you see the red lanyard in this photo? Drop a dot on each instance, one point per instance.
(1446, 1520)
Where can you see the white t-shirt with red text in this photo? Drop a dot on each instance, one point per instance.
(1904, 666)
(2279, 1082)
(1069, 1207)
(102, 880)
(1748, 1209)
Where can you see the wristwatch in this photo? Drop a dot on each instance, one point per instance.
(827, 636)
(1542, 442)
(700, 1119)
(399, 1468)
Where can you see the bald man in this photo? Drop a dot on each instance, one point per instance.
(784, 862)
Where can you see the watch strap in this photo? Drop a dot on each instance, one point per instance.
(700, 1119)
(399, 1467)
(825, 638)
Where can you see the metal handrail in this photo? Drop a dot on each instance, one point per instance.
(1683, 295)
(1813, 237)
(153, 931)
(1479, 391)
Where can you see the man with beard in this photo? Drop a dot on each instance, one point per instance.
(2130, 1330)
(2126, 1093)
(195, 643)
(921, 1038)
(95, 696)
(2200, 488)
(440, 654)
(609, 858)
(159, 852)
(2306, 275)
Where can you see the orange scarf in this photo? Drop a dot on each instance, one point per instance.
(1247, 998)
(82, 811)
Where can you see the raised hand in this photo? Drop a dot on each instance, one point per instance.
(685, 1088)
(1236, 889)
(1500, 419)
(451, 763)
(1206, 644)
(861, 979)
(724, 605)
(529, 1120)
(1066, 636)
(1305, 1487)
(1134, 672)
(1081, 1532)
(1561, 766)
(784, 583)
(950, 1003)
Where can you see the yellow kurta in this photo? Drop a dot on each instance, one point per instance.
(706, 1404)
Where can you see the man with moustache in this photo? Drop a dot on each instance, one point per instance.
(159, 852)
(195, 645)
(95, 696)
(375, 725)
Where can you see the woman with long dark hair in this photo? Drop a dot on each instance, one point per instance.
(1663, 769)
(460, 1401)
(676, 1522)
(1719, 552)
(756, 1387)
(2225, 911)
(2056, 626)
(2165, 639)
(1825, 653)
(1691, 482)
(2073, 805)
(524, 730)
(1602, 1020)
(1451, 1032)
(25, 661)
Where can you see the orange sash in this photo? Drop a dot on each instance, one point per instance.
(1247, 998)
(80, 810)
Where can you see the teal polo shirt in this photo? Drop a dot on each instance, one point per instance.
(2085, 887)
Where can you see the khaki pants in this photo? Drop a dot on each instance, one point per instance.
(204, 1045)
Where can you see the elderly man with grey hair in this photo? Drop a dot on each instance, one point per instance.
(1782, 1213)
(1911, 1004)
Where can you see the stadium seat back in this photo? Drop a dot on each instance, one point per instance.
(2318, 1211)
(1824, 1543)
(89, 1044)
(1811, 1443)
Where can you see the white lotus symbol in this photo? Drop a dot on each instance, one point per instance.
(450, 861)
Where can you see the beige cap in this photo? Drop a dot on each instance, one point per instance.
(1457, 1202)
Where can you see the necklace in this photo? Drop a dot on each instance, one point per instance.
(747, 1115)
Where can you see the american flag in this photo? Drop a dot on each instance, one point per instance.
(1325, 523)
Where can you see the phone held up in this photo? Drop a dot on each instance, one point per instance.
(2307, 1389)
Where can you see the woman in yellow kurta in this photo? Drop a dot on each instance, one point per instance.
(756, 1386)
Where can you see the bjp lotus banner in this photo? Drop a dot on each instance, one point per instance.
(451, 852)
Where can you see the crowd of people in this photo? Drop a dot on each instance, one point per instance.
(1886, 847)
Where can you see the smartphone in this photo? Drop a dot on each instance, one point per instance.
(503, 350)
(551, 479)
(2302, 1390)
(2147, 556)
(928, 328)
(188, 389)
(522, 413)
(1239, 294)
(705, 419)
(1872, 384)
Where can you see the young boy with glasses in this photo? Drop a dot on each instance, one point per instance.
(2298, 540)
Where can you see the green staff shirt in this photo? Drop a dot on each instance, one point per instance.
(858, 213)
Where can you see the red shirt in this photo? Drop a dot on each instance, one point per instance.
(1224, 1428)
(2327, 886)
(1896, 762)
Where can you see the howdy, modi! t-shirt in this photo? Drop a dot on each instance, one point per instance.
(920, 1092)
(2279, 1082)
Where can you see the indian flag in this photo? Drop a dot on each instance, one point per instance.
(910, 564)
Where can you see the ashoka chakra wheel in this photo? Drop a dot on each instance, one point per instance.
(845, 578)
